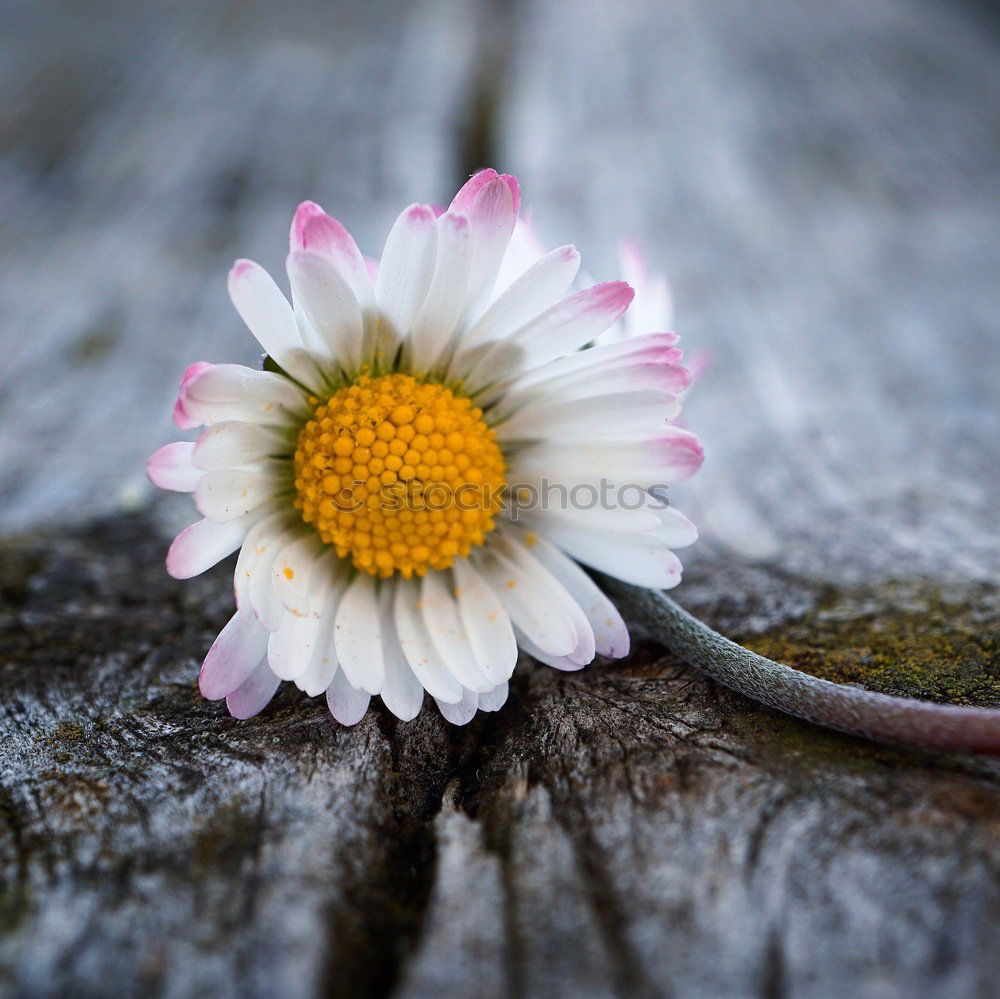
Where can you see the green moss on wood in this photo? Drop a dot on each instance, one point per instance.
(65, 732)
(906, 638)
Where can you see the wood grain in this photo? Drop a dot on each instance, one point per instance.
(820, 182)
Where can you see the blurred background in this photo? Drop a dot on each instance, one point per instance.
(819, 181)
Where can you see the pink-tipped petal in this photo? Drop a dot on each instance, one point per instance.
(314, 230)
(405, 272)
(192, 371)
(514, 186)
(468, 191)
(234, 655)
(254, 694)
(565, 327)
(171, 468)
(234, 392)
(201, 545)
(181, 418)
(682, 452)
(297, 237)
(184, 420)
(471, 188)
(492, 214)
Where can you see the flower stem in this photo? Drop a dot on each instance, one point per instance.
(899, 720)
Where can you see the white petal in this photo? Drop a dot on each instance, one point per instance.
(234, 392)
(293, 645)
(446, 297)
(347, 704)
(487, 625)
(565, 327)
(171, 468)
(664, 457)
(530, 603)
(234, 655)
(536, 501)
(610, 633)
(595, 361)
(254, 574)
(415, 641)
(281, 648)
(624, 556)
(402, 693)
(586, 647)
(523, 251)
(319, 674)
(447, 632)
(264, 533)
(231, 443)
(675, 530)
(329, 582)
(254, 694)
(589, 417)
(358, 635)
(269, 317)
(461, 713)
(293, 571)
(538, 289)
(331, 311)
(404, 275)
(564, 663)
(495, 699)
(596, 383)
(229, 493)
(201, 545)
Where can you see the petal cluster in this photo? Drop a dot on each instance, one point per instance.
(517, 376)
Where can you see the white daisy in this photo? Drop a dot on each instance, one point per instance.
(377, 477)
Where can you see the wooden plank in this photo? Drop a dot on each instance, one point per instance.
(819, 182)
(630, 830)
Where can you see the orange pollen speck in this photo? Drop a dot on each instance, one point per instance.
(399, 475)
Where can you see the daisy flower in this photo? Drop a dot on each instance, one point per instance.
(384, 475)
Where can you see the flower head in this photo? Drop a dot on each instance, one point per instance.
(434, 445)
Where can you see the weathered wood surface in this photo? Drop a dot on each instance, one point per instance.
(821, 182)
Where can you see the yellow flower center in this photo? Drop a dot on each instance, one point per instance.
(398, 474)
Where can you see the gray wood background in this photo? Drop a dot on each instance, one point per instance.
(821, 182)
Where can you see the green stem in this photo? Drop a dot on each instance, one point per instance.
(899, 720)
